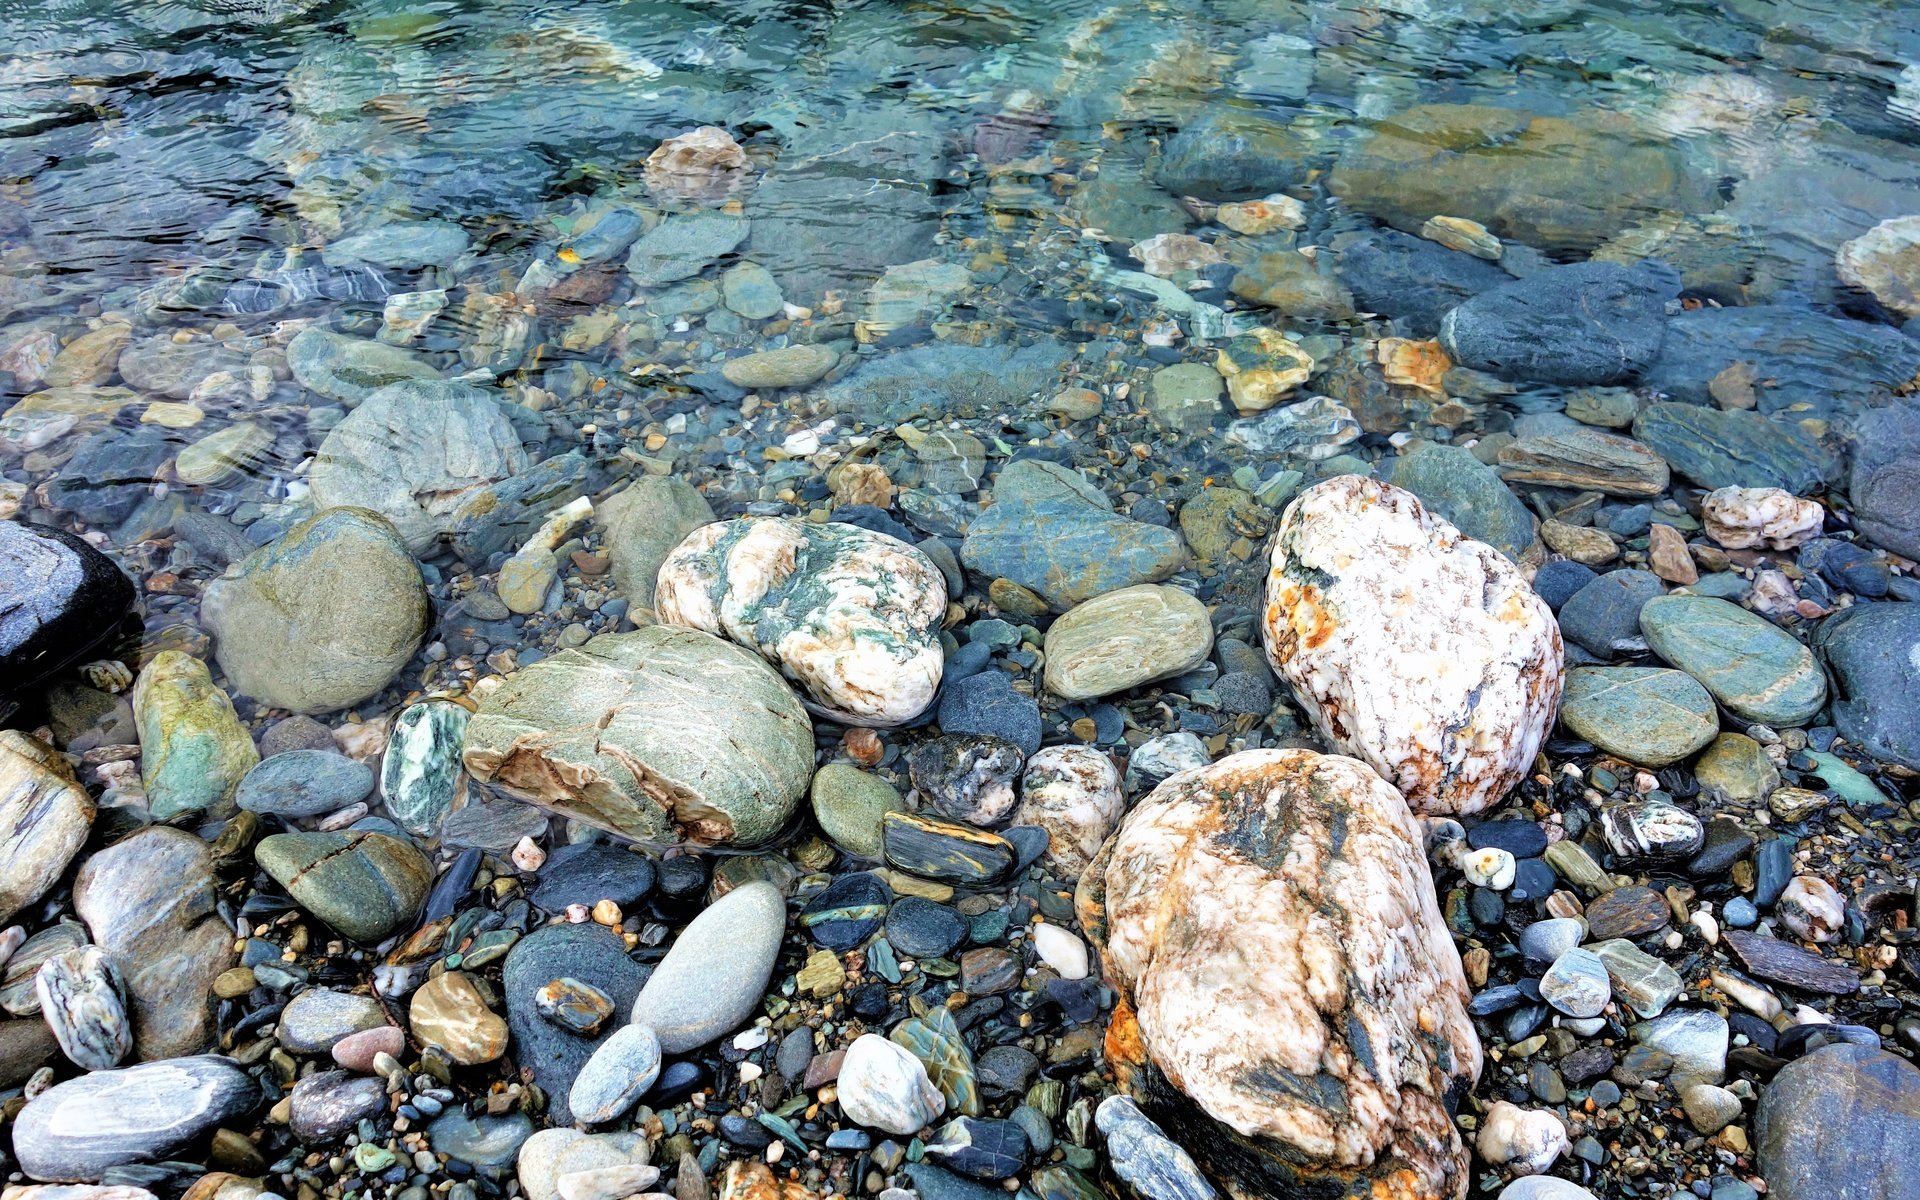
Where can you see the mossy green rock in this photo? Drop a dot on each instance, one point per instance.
(1555, 183)
(365, 884)
(850, 805)
(657, 735)
(1646, 715)
(323, 616)
(1757, 669)
(193, 749)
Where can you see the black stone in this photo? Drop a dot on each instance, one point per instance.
(1584, 323)
(937, 1183)
(682, 877)
(1496, 999)
(1585, 1064)
(1726, 844)
(986, 703)
(982, 1147)
(1079, 999)
(451, 888)
(944, 851)
(1486, 907)
(1029, 843)
(1604, 616)
(60, 601)
(111, 473)
(869, 1001)
(745, 1133)
(1522, 839)
(1761, 1034)
(1005, 1070)
(678, 1081)
(1772, 870)
(1798, 1040)
(1533, 880)
(919, 928)
(588, 872)
(587, 952)
(1522, 1023)
(848, 911)
(1412, 279)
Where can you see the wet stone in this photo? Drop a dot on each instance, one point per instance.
(968, 778)
(553, 1051)
(1650, 830)
(421, 777)
(981, 1148)
(364, 884)
(1647, 715)
(304, 783)
(328, 1104)
(84, 1001)
(44, 819)
(78, 1130)
(589, 872)
(573, 1005)
(1627, 912)
(935, 1040)
(849, 911)
(919, 928)
(1758, 670)
(944, 850)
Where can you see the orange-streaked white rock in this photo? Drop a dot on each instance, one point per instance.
(1072, 792)
(1270, 923)
(850, 616)
(1410, 645)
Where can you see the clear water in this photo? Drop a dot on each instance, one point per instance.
(181, 165)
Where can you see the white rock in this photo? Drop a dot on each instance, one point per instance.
(1743, 518)
(1411, 646)
(1577, 984)
(551, 1153)
(851, 616)
(526, 576)
(606, 1183)
(1062, 951)
(1269, 921)
(1072, 792)
(1812, 908)
(1885, 260)
(1544, 1187)
(1525, 1141)
(883, 1086)
(1491, 868)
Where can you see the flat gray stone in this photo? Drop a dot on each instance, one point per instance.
(76, 1131)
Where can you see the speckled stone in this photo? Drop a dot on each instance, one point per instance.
(193, 750)
(1411, 646)
(44, 819)
(1072, 792)
(1842, 1122)
(851, 616)
(1758, 670)
(1125, 639)
(1235, 922)
(654, 735)
(883, 1086)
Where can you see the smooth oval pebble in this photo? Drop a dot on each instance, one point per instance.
(883, 1086)
(713, 977)
(618, 1074)
(357, 1051)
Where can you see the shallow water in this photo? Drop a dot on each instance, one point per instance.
(183, 167)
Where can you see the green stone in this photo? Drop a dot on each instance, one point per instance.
(350, 369)
(935, 1040)
(1849, 784)
(1646, 715)
(421, 776)
(1468, 492)
(850, 804)
(1185, 397)
(367, 885)
(1736, 768)
(1755, 668)
(193, 749)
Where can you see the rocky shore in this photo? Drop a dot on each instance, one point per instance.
(1169, 656)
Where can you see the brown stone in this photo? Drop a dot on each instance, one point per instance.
(1627, 912)
(1784, 963)
(1587, 459)
(1668, 555)
(448, 1011)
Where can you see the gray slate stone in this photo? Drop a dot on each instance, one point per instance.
(587, 952)
(76, 1131)
(1800, 360)
(1871, 651)
(1584, 323)
(304, 783)
(644, 522)
(681, 246)
(1051, 530)
(1719, 449)
(713, 977)
(1885, 484)
(1842, 1123)
(1468, 492)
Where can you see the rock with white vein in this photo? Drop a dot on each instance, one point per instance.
(1286, 981)
(84, 1001)
(883, 1086)
(78, 1130)
(1411, 646)
(850, 616)
(659, 735)
(1072, 792)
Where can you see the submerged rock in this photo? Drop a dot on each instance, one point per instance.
(59, 600)
(851, 616)
(1051, 530)
(1584, 323)
(654, 735)
(322, 617)
(193, 749)
(644, 522)
(1271, 926)
(1411, 646)
(412, 452)
(1885, 483)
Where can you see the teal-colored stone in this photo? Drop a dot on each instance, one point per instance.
(350, 369)
(1849, 784)
(1468, 492)
(1717, 449)
(1646, 715)
(193, 750)
(366, 885)
(1755, 668)
(1051, 530)
(421, 776)
(935, 1040)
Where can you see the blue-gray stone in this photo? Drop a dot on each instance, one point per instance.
(587, 952)
(589, 872)
(1842, 1122)
(78, 1130)
(1233, 152)
(1800, 360)
(304, 783)
(1885, 484)
(947, 380)
(1412, 279)
(986, 703)
(1603, 617)
(1719, 449)
(1583, 323)
(681, 246)
(1468, 492)
(1051, 530)
(1561, 580)
(1872, 652)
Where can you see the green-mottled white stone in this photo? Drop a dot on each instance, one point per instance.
(1755, 668)
(193, 750)
(654, 735)
(422, 777)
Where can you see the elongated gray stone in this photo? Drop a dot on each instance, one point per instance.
(84, 1001)
(422, 777)
(618, 1074)
(76, 1131)
(713, 977)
